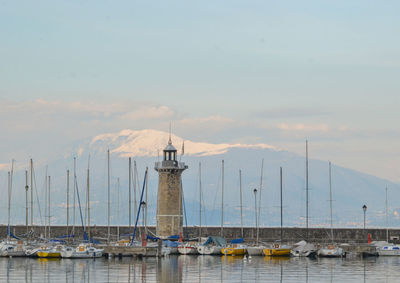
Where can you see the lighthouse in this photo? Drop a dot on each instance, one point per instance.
(169, 196)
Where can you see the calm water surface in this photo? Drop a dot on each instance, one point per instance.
(201, 269)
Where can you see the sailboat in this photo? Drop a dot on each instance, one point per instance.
(331, 250)
(48, 251)
(303, 248)
(11, 248)
(84, 250)
(256, 249)
(385, 248)
(278, 249)
(234, 248)
(213, 245)
(190, 247)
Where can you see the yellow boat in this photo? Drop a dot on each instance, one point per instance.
(277, 250)
(234, 250)
(50, 253)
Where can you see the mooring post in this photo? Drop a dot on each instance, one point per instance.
(159, 248)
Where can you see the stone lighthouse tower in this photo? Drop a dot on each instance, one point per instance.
(169, 197)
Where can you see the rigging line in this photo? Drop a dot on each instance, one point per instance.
(37, 196)
(217, 191)
(79, 202)
(203, 208)
(184, 210)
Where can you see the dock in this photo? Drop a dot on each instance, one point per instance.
(359, 250)
(131, 251)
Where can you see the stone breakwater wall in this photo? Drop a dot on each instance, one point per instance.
(266, 234)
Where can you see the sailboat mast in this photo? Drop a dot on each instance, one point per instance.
(307, 200)
(255, 210)
(49, 209)
(45, 205)
(134, 188)
(146, 206)
(386, 206)
(130, 193)
(31, 194)
(281, 204)
(67, 205)
(222, 202)
(330, 197)
(200, 201)
(88, 200)
(241, 204)
(10, 177)
(108, 191)
(118, 209)
(9, 204)
(259, 200)
(74, 199)
(26, 202)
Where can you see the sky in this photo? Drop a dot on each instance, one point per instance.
(274, 72)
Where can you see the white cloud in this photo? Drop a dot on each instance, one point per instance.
(149, 112)
(303, 127)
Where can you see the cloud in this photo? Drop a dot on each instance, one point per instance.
(291, 112)
(149, 112)
(205, 125)
(303, 127)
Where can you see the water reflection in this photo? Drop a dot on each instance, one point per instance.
(200, 269)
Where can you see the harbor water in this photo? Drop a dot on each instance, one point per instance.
(201, 269)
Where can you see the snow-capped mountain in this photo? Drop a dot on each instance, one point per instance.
(128, 143)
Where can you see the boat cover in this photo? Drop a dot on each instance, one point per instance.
(218, 241)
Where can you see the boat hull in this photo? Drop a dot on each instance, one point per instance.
(276, 252)
(187, 250)
(331, 252)
(255, 251)
(389, 251)
(233, 251)
(48, 254)
(82, 255)
(81, 251)
(209, 250)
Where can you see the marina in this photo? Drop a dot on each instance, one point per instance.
(200, 269)
(171, 235)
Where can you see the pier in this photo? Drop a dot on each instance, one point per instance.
(133, 251)
(266, 234)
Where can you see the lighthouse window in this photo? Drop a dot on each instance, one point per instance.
(174, 155)
(169, 155)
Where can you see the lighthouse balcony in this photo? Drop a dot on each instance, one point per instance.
(170, 164)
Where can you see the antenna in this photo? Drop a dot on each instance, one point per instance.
(169, 141)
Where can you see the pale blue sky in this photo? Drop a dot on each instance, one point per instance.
(224, 71)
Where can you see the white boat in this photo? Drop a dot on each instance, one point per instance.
(255, 250)
(304, 249)
(388, 250)
(209, 250)
(331, 251)
(384, 248)
(187, 249)
(212, 246)
(82, 251)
